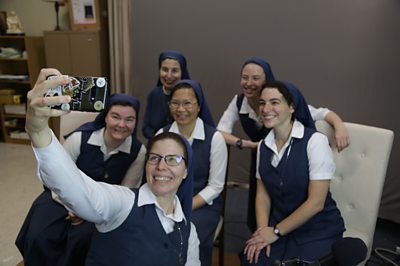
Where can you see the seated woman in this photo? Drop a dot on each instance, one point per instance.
(172, 68)
(244, 108)
(105, 149)
(193, 120)
(295, 213)
(146, 226)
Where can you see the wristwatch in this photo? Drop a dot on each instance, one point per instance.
(239, 143)
(277, 231)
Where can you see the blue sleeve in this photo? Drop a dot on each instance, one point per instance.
(148, 131)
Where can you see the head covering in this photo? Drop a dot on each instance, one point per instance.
(302, 112)
(100, 122)
(263, 64)
(171, 54)
(205, 113)
(185, 190)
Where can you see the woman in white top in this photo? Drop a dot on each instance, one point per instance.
(244, 108)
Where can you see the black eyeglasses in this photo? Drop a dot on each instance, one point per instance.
(170, 159)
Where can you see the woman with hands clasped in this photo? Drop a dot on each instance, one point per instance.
(146, 226)
(244, 108)
(295, 213)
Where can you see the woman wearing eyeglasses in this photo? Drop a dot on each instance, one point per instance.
(105, 149)
(193, 120)
(172, 68)
(146, 226)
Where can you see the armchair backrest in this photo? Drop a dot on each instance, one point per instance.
(73, 120)
(360, 176)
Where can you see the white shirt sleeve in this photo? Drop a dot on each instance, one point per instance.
(318, 113)
(193, 248)
(72, 145)
(218, 163)
(133, 177)
(320, 158)
(229, 118)
(105, 205)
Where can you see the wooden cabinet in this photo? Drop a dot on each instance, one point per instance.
(17, 75)
(78, 53)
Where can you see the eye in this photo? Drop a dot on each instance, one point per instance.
(153, 158)
(174, 104)
(187, 104)
(275, 102)
(171, 159)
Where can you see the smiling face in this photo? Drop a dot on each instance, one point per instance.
(170, 73)
(120, 122)
(251, 80)
(184, 106)
(164, 179)
(274, 108)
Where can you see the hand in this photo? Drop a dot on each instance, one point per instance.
(342, 138)
(39, 112)
(261, 238)
(75, 220)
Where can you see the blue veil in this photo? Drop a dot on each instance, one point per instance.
(205, 113)
(171, 54)
(263, 64)
(100, 122)
(185, 190)
(302, 112)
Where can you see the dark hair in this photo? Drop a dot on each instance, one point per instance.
(184, 85)
(282, 88)
(168, 135)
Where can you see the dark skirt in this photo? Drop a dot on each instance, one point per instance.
(206, 220)
(47, 238)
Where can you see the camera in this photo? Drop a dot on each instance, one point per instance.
(87, 93)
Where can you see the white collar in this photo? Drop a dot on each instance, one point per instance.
(146, 197)
(198, 132)
(245, 108)
(297, 132)
(97, 139)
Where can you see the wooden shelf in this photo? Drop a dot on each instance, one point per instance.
(33, 48)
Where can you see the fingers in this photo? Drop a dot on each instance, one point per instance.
(45, 72)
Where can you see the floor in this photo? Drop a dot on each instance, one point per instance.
(19, 186)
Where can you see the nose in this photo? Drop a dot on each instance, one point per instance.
(169, 74)
(162, 164)
(180, 107)
(121, 123)
(265, 108)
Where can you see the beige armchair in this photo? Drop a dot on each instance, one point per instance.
(359, 177)
(67, 123)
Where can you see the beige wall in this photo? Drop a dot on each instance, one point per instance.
(36, 15)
